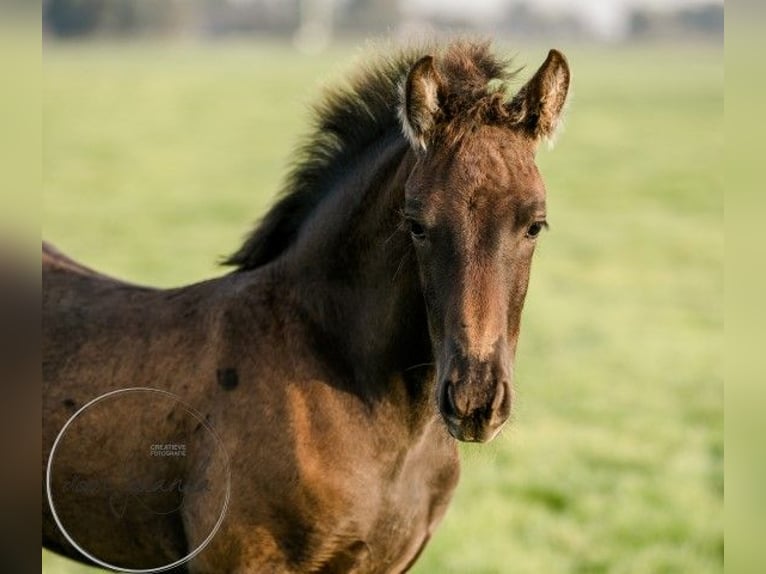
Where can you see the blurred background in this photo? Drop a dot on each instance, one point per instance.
(315, 23)
(168, 127)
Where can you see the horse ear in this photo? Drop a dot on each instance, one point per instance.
(420, 102)
(538, 106)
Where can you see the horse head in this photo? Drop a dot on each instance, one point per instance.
(475, 206)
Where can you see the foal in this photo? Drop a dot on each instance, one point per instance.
(371, 320)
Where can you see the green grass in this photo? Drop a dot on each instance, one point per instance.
(157, 159)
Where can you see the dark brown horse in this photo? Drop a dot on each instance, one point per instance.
(371, 321)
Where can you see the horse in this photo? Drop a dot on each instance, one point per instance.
(369, 323)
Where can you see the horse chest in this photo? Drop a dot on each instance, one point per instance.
(340, 491)
(396, 506)
(411, 513)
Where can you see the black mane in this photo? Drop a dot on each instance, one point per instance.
(347, 121)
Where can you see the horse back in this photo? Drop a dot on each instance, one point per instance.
(53, 258)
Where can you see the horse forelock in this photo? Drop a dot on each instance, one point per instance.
(367, 108)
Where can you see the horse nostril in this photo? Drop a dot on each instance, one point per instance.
(500, 392)
(448, 400)
(501, 403)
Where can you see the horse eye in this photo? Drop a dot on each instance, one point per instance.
(416, 229)
(535, 229)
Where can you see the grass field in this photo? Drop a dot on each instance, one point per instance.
(158, 158)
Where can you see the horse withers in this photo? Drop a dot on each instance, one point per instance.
(371, 319)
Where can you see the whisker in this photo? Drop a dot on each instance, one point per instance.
(398, 227)
(401, 264)
(395, 231)
(431, 364)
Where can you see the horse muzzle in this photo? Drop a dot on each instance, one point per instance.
(475, 400)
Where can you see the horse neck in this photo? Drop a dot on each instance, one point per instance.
(356, 266)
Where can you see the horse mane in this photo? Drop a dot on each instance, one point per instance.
(353, 116)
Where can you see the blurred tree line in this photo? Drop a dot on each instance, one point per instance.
(701, 20)
(68, 18)
(520, 18)
(72, 18)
